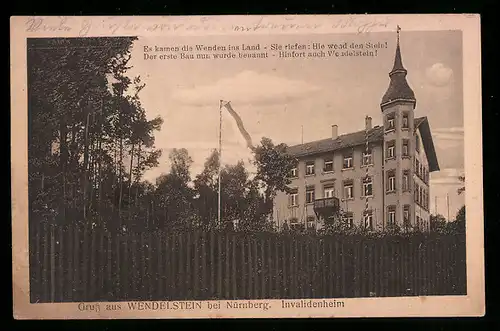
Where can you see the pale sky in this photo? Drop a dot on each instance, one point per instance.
(276, 96)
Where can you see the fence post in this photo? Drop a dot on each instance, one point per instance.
(170, 259)
(271, 275)
(196, 265)
(227, 275)
(101, 264)
(250, 269)
(213, 291)
(263, 269)
(69, 256)
(61, 279)
(52, 264)
(219, 265)
(92, 272)
(234, 269)
(306, 252)
(187, 286)
(204, 291)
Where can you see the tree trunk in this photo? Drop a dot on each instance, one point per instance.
(115, 178)
(120, 178)
(85, 166)
(137, 177)
(99, 178)
(130, 181)
(63, 160)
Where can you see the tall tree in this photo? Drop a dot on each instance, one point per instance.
(459, 223)
(274, 164)
(174, 196)
(206, 186)
(438, 223)
(81, 129)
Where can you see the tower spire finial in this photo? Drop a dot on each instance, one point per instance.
(398, 63)
(398, 87)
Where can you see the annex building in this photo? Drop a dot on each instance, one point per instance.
(375, 177)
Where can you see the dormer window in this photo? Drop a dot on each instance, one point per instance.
(390, 122)
(417, 143)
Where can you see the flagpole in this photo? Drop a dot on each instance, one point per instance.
(220, 164)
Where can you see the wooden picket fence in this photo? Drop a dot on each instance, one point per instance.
(78, 263)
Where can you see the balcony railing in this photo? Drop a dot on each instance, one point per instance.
(327, 203)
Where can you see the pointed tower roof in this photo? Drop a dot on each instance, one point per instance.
(398, 90)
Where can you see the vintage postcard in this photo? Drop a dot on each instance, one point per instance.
(246, 167)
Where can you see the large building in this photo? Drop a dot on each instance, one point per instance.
(375, 177)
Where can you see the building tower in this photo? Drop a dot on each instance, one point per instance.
(397, 106)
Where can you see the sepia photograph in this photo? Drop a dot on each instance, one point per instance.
(249, 172)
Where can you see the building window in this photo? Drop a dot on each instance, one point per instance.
(406, 215)
(310, 222)
(417, 167)
(416, 192)
(424, 197)
(368, 220)
(295, 225)
(418, 222)
(328, 191)
(348, 219)
(328, 167)
(420, 195)
(417, 143)
(294, 172)
(391, 215)
(309, 168)
(293, 199)
(367, 187)
(390, 122)
(347, 161)
(406, 180)
(309, 194)
(367, 158)
(405, 124)
(391, 181)
(406, 148)
(390, 147)
(348, 190)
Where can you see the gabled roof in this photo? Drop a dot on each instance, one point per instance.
(359, 138)
(343, 141)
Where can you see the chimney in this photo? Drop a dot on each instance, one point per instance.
(368, 123)
(335, 132)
